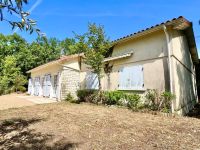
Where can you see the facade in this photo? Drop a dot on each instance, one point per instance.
(55, 79)
(161, 57)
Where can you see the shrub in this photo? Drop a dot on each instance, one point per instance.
(165, 104)
(152, 99)
(133, 101)
(122, 99)
(159, 102)
(113, 97)
(85, 95)
(71, 99)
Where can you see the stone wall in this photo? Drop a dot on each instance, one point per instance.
(69, 82)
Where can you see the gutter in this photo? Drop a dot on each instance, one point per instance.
(169, 58)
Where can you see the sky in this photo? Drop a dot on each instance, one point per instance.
(59, 18)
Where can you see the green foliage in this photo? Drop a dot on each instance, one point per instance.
(95, 45)
(18, 83)
(113, 97)
(11, 78)
(28, 56)
(159, 102)
(130, 100)
(15, 7)
(71, 99)
(133, 101)
(153, 99)
(110, 98)
(167, 98)
(85, 95)
(68, 46)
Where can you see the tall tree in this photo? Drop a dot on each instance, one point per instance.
(95, 45)
(11, 78)
(67, 45)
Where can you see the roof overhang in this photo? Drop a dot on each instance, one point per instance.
(192, 44)
(60, 61)
(118, 57)
(179, 23)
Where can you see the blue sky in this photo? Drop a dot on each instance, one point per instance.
(58, 18)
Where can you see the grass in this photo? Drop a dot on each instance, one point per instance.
(87, 126)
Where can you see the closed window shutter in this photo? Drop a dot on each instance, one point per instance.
(131, 78)
(92, 81)
(30, 86)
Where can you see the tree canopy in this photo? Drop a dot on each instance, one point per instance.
(95, 45)
(22, 56)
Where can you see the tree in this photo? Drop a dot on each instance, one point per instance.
(95, 46)
(19, 82)
(68, 45)
(11, 78)
(15, 7)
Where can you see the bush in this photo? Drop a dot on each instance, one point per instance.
(159, 102)
(71, 99)
(113, 97)
(121, 98)
(85, 95)
(165, 104)
(133, 101)
(109, 98)
(152, 99)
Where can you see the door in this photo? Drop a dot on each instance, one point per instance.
(30, 86)
(37, 86)
(47, 85)
(55, 86)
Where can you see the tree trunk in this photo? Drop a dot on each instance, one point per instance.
(100, 89)
(100, 86)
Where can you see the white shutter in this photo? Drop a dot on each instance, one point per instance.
(131, 78)
(37, 86)
(30, 86)
(92, 81)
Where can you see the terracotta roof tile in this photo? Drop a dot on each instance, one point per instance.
(162, 23)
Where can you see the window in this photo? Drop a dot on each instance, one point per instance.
(131, 78)
(92, 81)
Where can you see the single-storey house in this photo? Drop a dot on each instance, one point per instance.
(161, 57)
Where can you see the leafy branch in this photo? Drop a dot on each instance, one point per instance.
(15, 7)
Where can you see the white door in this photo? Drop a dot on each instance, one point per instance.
(30, 86)
(55, 86)
(47, 85)
(37, 86)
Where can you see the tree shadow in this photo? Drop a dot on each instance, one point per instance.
(195, 112)
(15, 135)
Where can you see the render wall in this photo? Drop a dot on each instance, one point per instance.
(184, 77)
(150, 52)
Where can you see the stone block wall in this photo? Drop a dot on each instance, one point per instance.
(70, 79)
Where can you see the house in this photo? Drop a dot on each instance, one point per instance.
(160, 57)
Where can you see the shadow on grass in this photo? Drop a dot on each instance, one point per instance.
(15, 135)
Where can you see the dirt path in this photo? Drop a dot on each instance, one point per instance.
(83, 126)
(13, 101)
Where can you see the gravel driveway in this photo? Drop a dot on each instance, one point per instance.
(20, 100)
